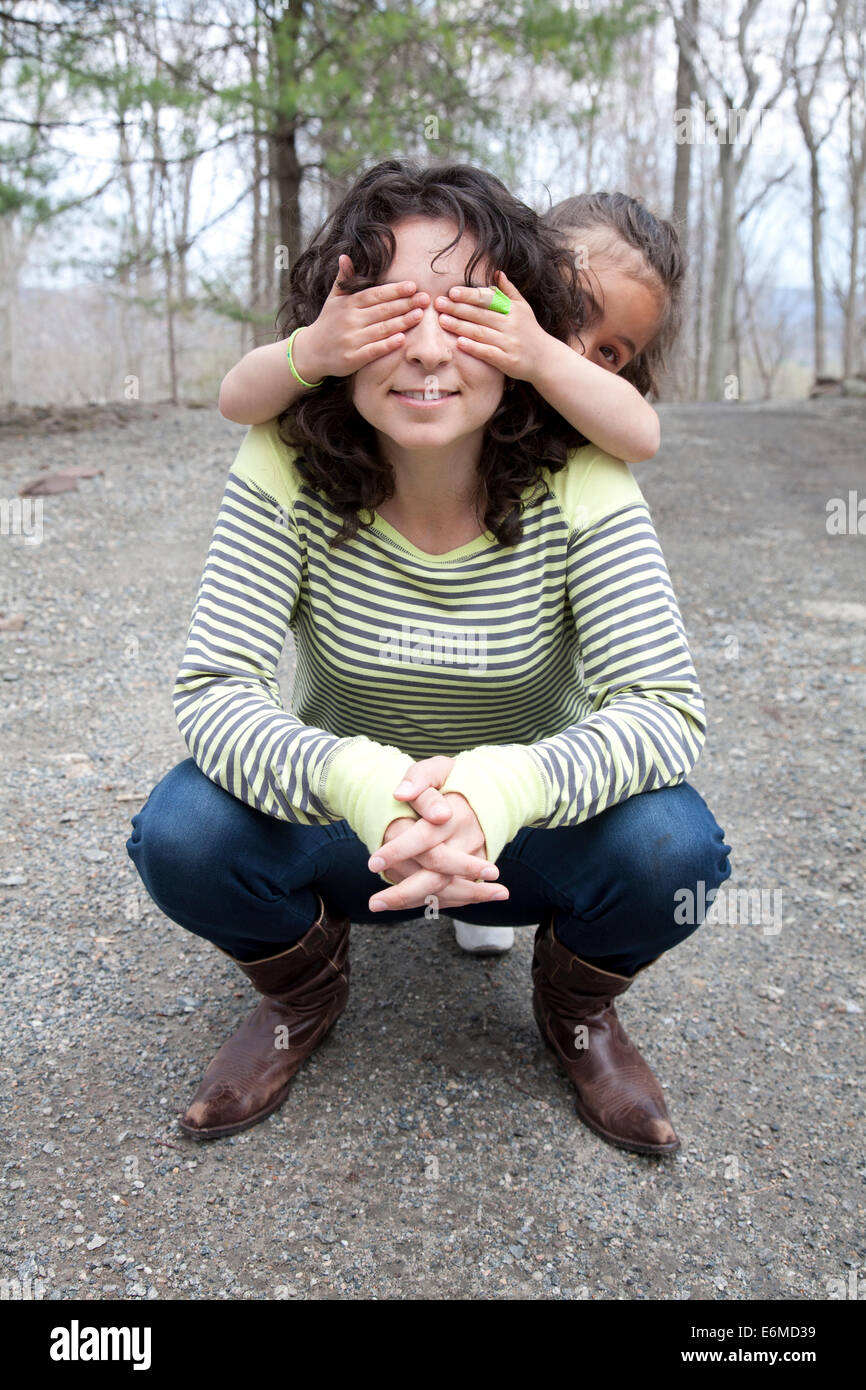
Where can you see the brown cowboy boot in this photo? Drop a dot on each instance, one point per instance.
(305, 990)
(617, 1094)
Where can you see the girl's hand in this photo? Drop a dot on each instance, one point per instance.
(354, 329)
(513, 342)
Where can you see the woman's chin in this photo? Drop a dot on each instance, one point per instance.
(423, 434)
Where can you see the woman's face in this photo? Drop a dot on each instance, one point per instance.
(626, 316)
(427, 394)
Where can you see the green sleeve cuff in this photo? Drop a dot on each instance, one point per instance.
(359, 779)
(506, 788)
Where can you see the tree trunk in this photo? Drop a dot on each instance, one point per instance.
(699, 284)
(285, 165)
(677, 386)
(254, 335)
(849, 346)
(817, 208)
(8, 295)
(723, 274)
(682, 167)
(287, 184)
(254, 331)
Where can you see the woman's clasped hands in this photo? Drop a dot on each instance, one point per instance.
(441, 855)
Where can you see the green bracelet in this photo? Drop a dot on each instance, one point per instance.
(311, 385)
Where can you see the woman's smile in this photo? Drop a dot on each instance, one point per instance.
(423, 398)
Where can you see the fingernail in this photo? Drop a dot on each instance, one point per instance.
(498, 895)
(403, 788)
(377, 905)
(376, 863)
(489, 873)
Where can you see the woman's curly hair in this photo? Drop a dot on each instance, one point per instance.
(337, 449)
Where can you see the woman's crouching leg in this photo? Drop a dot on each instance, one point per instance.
(220, 868)
(622, 875)
(237, 877)
(642, 878)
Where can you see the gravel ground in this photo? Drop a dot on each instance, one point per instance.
(430, 1148)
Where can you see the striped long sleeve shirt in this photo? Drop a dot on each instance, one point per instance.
(555, 672)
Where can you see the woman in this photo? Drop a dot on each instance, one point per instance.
(494, 703)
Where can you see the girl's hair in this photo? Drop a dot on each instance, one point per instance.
(623, 232)
(338, 455)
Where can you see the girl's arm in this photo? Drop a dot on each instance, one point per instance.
(351, 330)
(261, 385)
(606, 408)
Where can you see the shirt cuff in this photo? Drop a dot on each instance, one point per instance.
(506, 788)
(359, 779)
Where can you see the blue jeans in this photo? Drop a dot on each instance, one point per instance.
(248, 882)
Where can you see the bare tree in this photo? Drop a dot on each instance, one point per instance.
(852, 25)
(763, 309)
(806, 77)
(688, 26)
(678, 385)
(729, 111)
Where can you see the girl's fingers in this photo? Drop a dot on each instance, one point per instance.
(390, 308)
(486, 352)
(503, 283)
(384, 294)
(376, 330)
(344, 270)
(370, 352)
(480, 332)
(468, 310)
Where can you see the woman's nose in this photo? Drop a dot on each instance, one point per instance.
(428, 343)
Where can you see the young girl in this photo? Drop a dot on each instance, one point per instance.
(632, 287)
